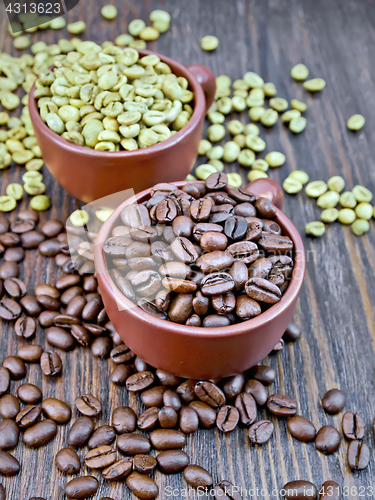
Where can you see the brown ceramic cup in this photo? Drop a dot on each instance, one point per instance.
(201, 353)
(88, 174)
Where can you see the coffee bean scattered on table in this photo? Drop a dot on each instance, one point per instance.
(334, 401)
(327, 440)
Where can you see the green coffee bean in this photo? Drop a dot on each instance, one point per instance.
(336, 183)
(103, 214)
(190, 177)
(269, 89)
(246, 157)
(231, 151)
(260, 164)
(107, 146)
(364, 210)
(329, 215)
(34, 165)
(234, 180)
(58, 23)
(76, 28)
(347, 200)
(289, 115)
(223, 81)
(355, 122)
(238, 103)
(253, 175)
(109, 12)
(253, 80)
(40, 203)
(255, 143)
(31, 177)
(79, 218)
(138, 44)
(215, 153)
(235, 127)
(5, 160)
(160, 15)
(299, 72)
(22, 156)
(215, 132)
(269, 118)
(15, 191)
(256, 113)
(69, 113)
(292, 186)
(297, 125)
(361, 193)
(14, 122)
(275, 159)
(251, 129)
(298, 105)
(224, 105)
(10, 101)
(203, 147)
(219, 165)
(360, 227)
(346, 216)
(279, 104)
(204, 170)
(21, 43)
(255, 99)
(299, 175)
(123, 40)
(149, 34)
(209, 43)
(55, 123)
(315, 228)
(216, 117)
(4, 117)
(314, 85)
(240, 139)
(39, 47)
(7, 203)
(328, 199)
(129, 144)
(315, 189)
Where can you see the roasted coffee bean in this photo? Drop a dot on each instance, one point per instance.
(121, 373)
(257, 390)
(265, 374)
(40, 433)
(205, 227)
(22, 226)
(30, 304)
(94, 329)
(25, 327)
(48, 302)
(76, 306)
(179, 285)
(279, 346)
(189, 420)
(81, 487)
(246, 405)
(14, 254)
(212, 241)
(247, 308)
(124, 419)
(168, 417)
(334, 401)
(353, 426)
(172, 461)
(9, 309)
(51, 228)
(216, 321)
(261, 431)
(9, 466)
(273, 243)
(262, 290)
(138, 249)
(133, 443)
(301, 428)
(50, 363)
(210, 393)
(260, 268)
(70, 293)
(146, 234)
(197, 477)
(281, 406)
(104, 435)
(140, 381)
(239, 273)
(327, 440)
(235, 227)
(9, 434)
(9, 270)
(29, 393)
(232, 386)
(215, 261)
(60, 338)
(175, 269)
(216, 181)
(61, 259)
(56, 410)
(135, 215)
(80, 334)
(10, 239)
(116, 246)
(146, 283)
(118, 470)
(206, 414)
(32, 239)
(100, 458)
(166, 211)
(227, 418)
(224, 303)
(49, 248)
(140, 365)
(182, 226)
(30, 353)
(300, 490)
(4, 380)
(28, 214)
(47, 318)
(88, 405)
(9, 406)
(153, 396)
(67, 281)
(330, 490)
(171, 398)
(167, 439)
(80, 432)
(4, 224)
(358, 455)
(28, 417)
(265, 208)
(245, 210)
(226, 491)
(184, 250)
(67, 461)
(201, 304)
(142, 485)
(144, 464)
(200, 209)
(91, 309)
(66, 321)
(148, 419)
(150, 307)
(245, 251)
(16, 367)
(15, 288)
(217, 283)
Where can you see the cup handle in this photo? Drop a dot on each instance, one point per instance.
(207, 79)
(267, 188)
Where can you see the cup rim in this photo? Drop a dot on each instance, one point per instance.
(244, 327)
(198, 112)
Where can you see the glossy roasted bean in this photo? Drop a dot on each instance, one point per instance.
(281, 406)
(67, 461)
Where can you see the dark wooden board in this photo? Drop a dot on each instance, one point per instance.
(336, 40)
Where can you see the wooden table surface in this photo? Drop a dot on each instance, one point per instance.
(336, 39)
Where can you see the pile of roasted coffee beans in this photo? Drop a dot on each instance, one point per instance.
(204, 255)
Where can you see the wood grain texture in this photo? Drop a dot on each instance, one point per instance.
(336, 40)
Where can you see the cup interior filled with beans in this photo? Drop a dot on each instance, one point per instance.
(116, 118)
(199, 278)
